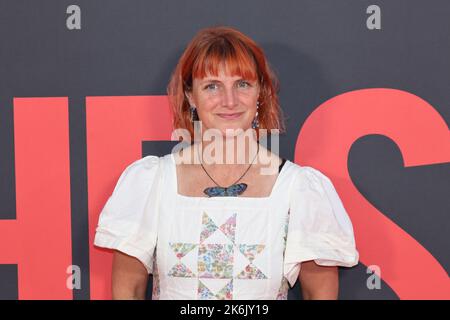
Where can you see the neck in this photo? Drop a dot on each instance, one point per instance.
(231, 150)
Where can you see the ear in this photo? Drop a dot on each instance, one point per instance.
(188, 95)
(259, 89)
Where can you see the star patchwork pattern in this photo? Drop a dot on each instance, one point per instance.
(180, 269)
(215, 263)
(251, 271)
(204, 293)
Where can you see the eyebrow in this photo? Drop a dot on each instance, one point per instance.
(214, 80)
(210, 80)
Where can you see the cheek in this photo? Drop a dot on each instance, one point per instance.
(206, 109)
(208, 102)
(249, 102)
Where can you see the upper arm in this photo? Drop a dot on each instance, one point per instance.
(319, 282)
(128, 223)
(129, 277)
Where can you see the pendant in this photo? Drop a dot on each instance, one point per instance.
(231, 191)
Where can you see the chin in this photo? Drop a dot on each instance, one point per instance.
(235, 130)
(234, 127)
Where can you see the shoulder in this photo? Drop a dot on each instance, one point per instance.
(143, 167)
(308, 177)
(138, 173)
(147, 162)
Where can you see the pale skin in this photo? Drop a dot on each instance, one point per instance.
(214, 96)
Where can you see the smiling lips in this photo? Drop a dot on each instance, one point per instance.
(230, 116)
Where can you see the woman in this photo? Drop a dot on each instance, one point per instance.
(207, 229)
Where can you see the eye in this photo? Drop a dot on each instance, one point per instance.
(243, 84)
(211, 86)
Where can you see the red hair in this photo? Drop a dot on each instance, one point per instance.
(242, 56)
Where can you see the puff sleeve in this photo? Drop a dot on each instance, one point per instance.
(128, 221)
(319, 227)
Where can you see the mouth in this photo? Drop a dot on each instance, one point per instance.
(230, 116)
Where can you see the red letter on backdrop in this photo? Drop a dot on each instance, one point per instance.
(39, 239)
(423, 139)
(116, 127)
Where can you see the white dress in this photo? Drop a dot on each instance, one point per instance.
(225, 247)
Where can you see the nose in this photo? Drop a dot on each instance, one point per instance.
(230, 97)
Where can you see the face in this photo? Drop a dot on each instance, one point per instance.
(224, 101)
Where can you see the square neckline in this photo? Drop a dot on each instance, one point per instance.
(197, 198)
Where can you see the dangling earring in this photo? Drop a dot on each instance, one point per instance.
(255, 122)
(194, 114)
